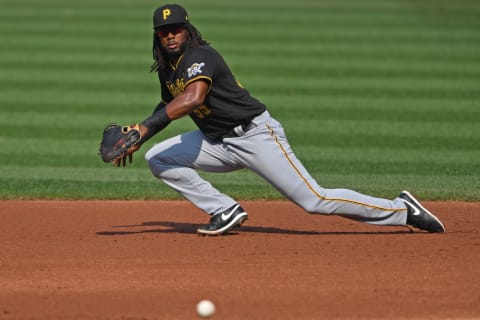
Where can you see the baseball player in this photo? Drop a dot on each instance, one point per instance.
(236, 131)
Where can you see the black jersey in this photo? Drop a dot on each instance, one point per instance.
(227, 103)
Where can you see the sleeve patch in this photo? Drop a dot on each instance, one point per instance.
(195, 69)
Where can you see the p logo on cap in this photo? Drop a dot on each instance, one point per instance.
(169, 14)
(166, 13)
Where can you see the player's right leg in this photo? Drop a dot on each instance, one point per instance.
(175, 162)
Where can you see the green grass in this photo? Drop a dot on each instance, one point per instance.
(376, 96)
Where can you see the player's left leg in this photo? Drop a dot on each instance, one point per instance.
(266, 151)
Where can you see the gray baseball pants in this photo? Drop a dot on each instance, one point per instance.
(266, 151)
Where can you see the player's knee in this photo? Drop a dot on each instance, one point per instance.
(310, 210)
(314, 208)
(156, 163)
(308, 207)
(149, 158)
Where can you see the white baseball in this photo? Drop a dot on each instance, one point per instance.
(205, 308)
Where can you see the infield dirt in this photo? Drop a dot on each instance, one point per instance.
(144, 260)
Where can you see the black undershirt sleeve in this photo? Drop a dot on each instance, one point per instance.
(157, 121)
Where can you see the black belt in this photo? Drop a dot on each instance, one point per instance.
(240, 130)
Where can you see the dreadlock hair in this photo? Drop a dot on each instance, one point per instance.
(194, 39)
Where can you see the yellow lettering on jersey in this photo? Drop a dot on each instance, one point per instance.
(176, 87)
(205, 110)
(166, 13)
(202, 111)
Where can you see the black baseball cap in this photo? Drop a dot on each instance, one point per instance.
(169, 14)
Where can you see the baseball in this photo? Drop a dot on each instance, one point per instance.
(205, 308)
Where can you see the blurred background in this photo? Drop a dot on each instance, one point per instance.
(376, 95)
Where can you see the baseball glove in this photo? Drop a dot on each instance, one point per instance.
(120, 142)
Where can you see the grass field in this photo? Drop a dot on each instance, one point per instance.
(376, 96)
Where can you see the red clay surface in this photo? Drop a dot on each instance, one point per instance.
(143, 260)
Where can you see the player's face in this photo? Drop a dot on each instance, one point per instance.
(172, 37)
